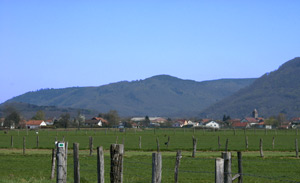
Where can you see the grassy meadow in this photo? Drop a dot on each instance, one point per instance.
(278, 165)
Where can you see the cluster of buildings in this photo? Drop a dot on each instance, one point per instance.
(137, 122)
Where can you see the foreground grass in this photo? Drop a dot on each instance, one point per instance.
(35, 166)
(279, 164)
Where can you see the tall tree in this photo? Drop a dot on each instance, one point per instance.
(40, 115)
(112, 117)
(12, 119)
(147, 121)
(65, 120)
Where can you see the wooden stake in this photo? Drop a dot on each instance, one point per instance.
(61, 163)
(116, 157)
(261, 148)
(24, 145)
(227, 167)
(156, 167)
(177, 163)
(140, 142)
(246, 141)
(157, 144)
(240, 167)
(219, 170)
(53, 163)
(100, 164)
(194, 147)
(296, 147)
(76, 163)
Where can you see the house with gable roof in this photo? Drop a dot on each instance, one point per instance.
(34, 124)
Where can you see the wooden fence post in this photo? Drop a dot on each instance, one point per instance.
(100, 164)
(296, 147)
(157, 144)
(53, 163)
(76, 163)
(140, 142)
(234, 131)
(167, 143)
(116, 160)
(91, 145)
(219, 170)
(24, 145)
(11, 141)
(61, 163)
(37, 141)
(156, 167)
(273, 142)
(226, 145)
(261, 148)
(246, 141)
(177, 163)
(240, 167)
(194, 147)
(227, 167)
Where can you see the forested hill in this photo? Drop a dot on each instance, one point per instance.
(161, 95)
(273, 93)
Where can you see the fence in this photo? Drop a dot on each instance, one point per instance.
(222, 166)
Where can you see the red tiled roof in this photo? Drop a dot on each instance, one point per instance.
(100, 119)
(34, 122)
(238, 124)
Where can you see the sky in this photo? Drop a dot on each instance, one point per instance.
(58, 44)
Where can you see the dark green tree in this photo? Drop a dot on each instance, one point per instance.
(40, 115)
(12, 119)
(112, 117)
(65, 120)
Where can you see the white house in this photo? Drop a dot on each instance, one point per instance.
(33, 124)
(212, 124)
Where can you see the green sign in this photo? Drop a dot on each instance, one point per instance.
(61, 144)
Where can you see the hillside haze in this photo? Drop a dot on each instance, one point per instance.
(273, 93)
(161, 95)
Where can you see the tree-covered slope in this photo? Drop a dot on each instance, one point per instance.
(159, 95)
(273, 93)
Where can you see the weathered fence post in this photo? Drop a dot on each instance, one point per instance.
(116, 163)
(157, 144)
(168, 142)
(76, 163)
(11, 141)
(227, 167)
(91, 145)
(261, 148)
(194, 147)
(234, 131)
(219, 170)
(100, 164)
(140, 142)
(61, 163)
(37, 141)
(273, 142)
(53, 163)
(24, 145)
(240, 167)
(156, 167)
(246, 141)
(177, 163)
(226, 145)
(296, 147)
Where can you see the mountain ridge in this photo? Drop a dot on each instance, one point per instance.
(273, 93)
(163, 95)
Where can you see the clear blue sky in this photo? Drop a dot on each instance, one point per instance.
(57, 44)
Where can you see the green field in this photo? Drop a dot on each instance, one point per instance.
(278, 165)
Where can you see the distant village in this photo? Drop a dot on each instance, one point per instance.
(253, 121)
